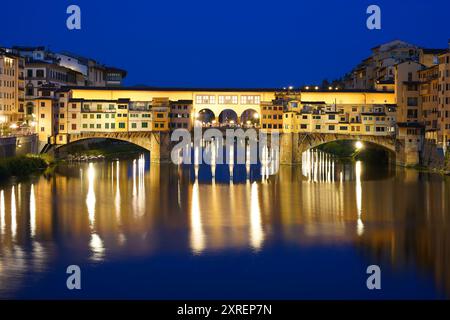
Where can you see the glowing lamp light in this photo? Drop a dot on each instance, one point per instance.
(330, 88)
(291, 87)
(359, 145)
(317, 88)
(307, 88)
(256, 116)
(13, 126)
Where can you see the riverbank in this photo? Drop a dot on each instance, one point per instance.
(24, 165)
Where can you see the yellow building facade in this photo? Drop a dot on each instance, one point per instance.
(11, 88)
(369, 113)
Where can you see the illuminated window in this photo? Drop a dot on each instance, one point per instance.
(228, 99)
(250, 99)
(205, 99)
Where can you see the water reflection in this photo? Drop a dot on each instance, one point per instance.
(32, 212)
(137, 209)
(360, 225)
(256, 229)
(197, 235)
(96, 243)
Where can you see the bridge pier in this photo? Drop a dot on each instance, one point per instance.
(160, 147)
(408, 153)
(290, 149)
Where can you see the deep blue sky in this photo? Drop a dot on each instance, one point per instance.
(217, 43)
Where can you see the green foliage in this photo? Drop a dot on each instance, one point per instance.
(22, 165)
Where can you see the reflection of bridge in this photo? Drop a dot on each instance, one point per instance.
(292, 145)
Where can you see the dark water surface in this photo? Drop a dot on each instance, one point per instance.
(146, 231)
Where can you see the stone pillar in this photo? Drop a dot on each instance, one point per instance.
(160, 147)
(290, 151)
(408, 152)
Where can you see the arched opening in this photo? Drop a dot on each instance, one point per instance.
(206, 117)
(250, 118)
(228, 118)
(348, 159)
(358, 150)
(98, 148)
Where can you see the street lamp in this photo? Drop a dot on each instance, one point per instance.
(359, 145)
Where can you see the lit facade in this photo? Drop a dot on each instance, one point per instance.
(11, 88)
(341, 113)
(65, 112)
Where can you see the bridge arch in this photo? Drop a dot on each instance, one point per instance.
(250, 116)
(150, 141)
(65, 147)
(205, 115)
(227, 116)
(217, 109)
(309, 141)
(293, 145)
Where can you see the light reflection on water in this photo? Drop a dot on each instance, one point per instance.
(101, 213)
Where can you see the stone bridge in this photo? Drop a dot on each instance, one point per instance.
(292, 145)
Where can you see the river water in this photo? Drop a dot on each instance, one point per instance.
(139, 230)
